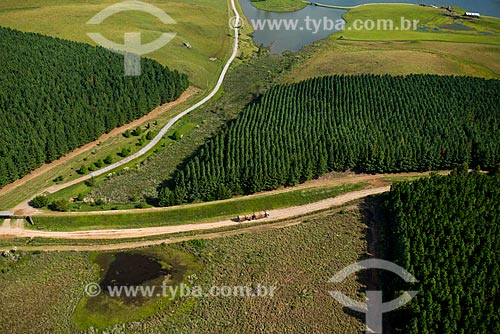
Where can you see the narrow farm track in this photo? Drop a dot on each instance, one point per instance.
(329, 180)
(278, 214)
(167, 127)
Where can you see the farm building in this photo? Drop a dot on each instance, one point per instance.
(471, 14)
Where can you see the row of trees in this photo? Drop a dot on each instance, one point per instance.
(446, 232)
(57, 95)
(373, 123)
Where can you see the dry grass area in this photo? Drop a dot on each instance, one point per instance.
(40, 291)
(298, 260)
(399, 58)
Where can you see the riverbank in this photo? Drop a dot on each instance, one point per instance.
(279, 5)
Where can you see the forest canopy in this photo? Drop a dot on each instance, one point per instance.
(57, 95)
(446, 232)
(371, 123)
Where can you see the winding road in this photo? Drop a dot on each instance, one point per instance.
(234, 21)
(174, 120)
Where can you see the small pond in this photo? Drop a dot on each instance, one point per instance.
(130, 269)
(150, 269)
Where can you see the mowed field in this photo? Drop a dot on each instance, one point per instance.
(202, 23)
(332, 56)
(298, 261)
(279, 5)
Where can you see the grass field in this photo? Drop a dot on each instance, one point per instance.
(442, 45)
(279, 5)
(298, 261)
(202, 23)
(40, 291)
(331, 56)
(434, 25)
(192, 214)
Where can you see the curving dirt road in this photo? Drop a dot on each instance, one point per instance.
(12, 232)
(87, 147)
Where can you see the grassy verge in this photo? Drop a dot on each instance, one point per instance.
(191, 214)
(279, 5)
(433, 25)
(394, 179)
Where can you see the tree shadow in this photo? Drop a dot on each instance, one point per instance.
(154, 201)
(374, 217)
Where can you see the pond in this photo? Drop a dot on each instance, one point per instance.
(129, 269)
(283, 39)
(142, 270)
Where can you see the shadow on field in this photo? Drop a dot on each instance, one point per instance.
(374, 218)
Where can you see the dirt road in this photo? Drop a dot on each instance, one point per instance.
(162, 132)
(11, 232)
(138, 244)
(329, 180)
